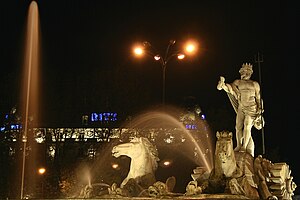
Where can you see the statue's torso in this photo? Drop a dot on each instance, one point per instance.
(246, 93)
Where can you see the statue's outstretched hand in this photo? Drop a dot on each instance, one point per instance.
(221, 83)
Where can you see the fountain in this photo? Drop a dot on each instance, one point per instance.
(227, 174)
(234, 175)
(29, 98)
(175, 145)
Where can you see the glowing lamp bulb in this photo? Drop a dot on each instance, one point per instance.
(190, 48)
(138, 51)
(180, 56)
(157, 57)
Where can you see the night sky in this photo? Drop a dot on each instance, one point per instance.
(87, 63)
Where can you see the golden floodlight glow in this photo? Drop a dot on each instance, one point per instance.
(191, 47)
(167, 163)
(138, 51)
(41, 170)
(114, 165)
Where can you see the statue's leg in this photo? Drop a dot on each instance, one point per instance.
(250, 146)
(239, 129)
(248, 123)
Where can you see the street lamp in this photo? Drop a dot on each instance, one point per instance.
(146, 47)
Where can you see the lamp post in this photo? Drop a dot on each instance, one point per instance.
(148, 48)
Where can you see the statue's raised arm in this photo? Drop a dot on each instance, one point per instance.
(226, 87)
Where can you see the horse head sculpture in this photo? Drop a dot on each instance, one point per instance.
(144, 158)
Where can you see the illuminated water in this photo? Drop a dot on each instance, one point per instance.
(29, 97)
(197, 140)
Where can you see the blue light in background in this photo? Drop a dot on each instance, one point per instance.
(191, 126)
(104, 117)
(15, 126)
(203, 116)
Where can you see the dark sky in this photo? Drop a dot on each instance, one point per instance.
(87, 64)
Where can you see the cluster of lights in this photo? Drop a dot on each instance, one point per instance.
(190, 47)
(12, 127)
(191, 126)
(104, 117)
(164, 163)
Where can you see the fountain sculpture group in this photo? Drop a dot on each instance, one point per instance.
(236, 174)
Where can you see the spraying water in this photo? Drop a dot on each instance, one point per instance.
(29, 96)
(169, 120)
(156, 125)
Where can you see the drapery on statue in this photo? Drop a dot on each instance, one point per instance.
(244, 95)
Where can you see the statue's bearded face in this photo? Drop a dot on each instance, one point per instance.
(245, 74)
